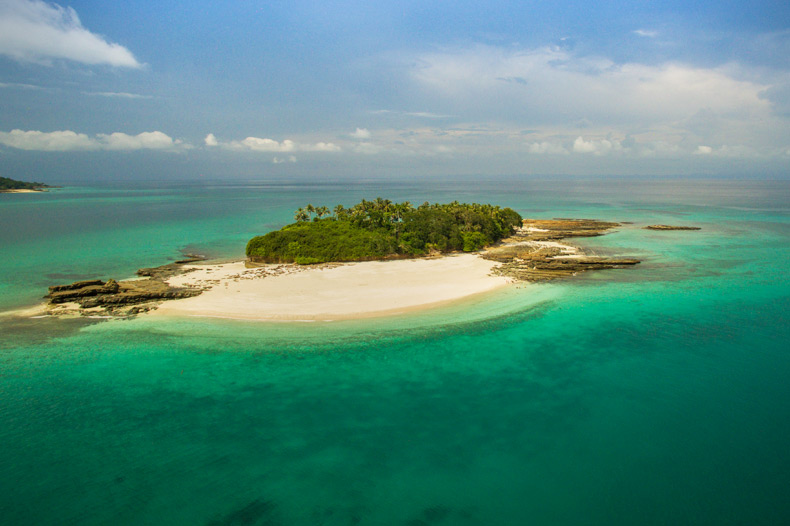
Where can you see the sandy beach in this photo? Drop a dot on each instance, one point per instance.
(330, 292)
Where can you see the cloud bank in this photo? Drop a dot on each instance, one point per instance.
(555, 84)
(257, 144)
(37, 31)
(591, 105)
(67, 141)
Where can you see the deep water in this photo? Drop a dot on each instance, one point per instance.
(652, 395)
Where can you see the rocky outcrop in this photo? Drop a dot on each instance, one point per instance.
(534, 254)
(555, 229)
(120, 298)
(670, 227)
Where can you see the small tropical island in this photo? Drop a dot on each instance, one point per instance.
(11, 186)
(375, 258)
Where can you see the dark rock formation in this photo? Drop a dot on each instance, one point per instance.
(125, 298)
(76, 285)
(533, 254)
(669, 227)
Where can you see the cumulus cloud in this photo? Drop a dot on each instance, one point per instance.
(155, 140)
(37, 31)
(280, 160)
(361, 134)
(210, 140)
(57, 141)
(596, 147)
(267, 145)
(67, 140)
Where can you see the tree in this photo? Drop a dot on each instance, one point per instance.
(301, 215)
(321, 211)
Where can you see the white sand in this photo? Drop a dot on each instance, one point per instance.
(351, 290)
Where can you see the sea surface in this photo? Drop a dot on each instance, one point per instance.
(658, 394)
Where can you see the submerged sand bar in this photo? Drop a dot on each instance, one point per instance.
(330, 292)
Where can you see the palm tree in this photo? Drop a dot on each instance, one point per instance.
(321, 211)
(301, 215)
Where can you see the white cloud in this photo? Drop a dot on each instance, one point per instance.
(57, 141)
(67, 140)
(596, 147)
(266, 145)
(37, 31)
(361, 134)
(257, 144)
(210, 140)
(704, 150)
(320, 147)
(280, 160)
(155, 140)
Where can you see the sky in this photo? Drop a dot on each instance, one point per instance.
(279, 90)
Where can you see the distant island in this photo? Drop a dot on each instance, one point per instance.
(8, 185)
(382, 229)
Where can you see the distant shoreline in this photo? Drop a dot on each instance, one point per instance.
(23, 191)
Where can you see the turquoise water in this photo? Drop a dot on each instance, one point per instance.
(653, 395)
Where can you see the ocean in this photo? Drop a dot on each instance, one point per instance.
(657, 394)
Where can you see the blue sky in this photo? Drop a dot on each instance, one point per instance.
(96, 89)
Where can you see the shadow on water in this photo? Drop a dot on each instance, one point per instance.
(22, 331)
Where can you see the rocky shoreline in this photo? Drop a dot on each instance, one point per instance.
(533, 254)
(120, 298)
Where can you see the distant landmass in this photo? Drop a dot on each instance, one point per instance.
(382, 229)
(11, 185)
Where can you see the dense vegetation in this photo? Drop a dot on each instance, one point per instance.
(11, 184)
(382, 229)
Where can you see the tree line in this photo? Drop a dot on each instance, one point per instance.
(381, 228)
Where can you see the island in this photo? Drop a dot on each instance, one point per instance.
(11, 186)
(375, 258)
